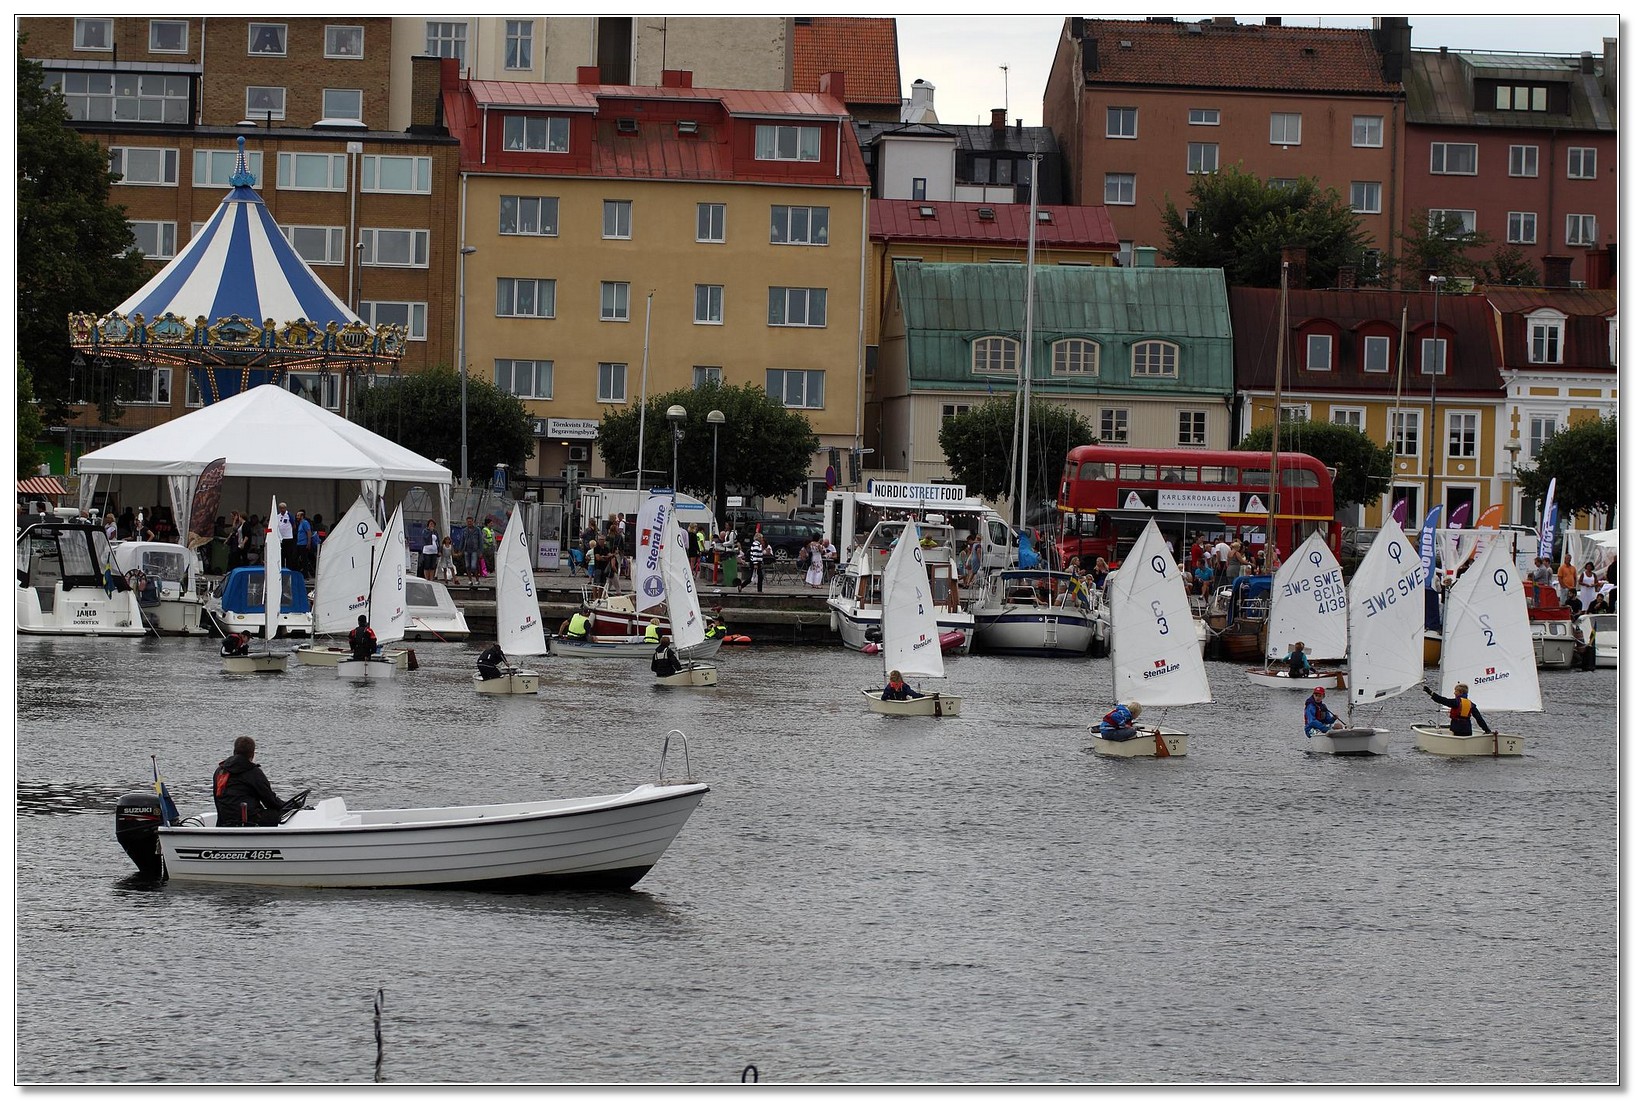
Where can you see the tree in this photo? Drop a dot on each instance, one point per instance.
(76, 248)
(1442, 248)
(1510, 267)
(1583, 460)
(422, 412)
(1362, 468)
(29, 425)
(766, 449)
(979, 445)
(1241, 224)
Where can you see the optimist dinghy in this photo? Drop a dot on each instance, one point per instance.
(910, 642)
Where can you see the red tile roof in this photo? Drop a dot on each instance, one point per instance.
(864, 49)
(587, 97)
(1087, 227)
(1317, 60)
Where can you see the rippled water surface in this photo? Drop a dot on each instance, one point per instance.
(858, 899)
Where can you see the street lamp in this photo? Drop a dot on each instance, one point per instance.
(465, 250)
(1512, 447)
(716, 419)
(1438, 364)
(676, 415)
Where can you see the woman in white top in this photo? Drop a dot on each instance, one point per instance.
(814, 563)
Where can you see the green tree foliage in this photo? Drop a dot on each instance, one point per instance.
(1443, 248)
(29, 425)
(1362, 467)
(422, 412)
(766, 449)
(1583, 460)
(1241, 224)
(75, 248)
(1510, 267)
(979, 445)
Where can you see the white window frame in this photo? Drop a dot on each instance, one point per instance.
(1203, 158)
(706, 376)
(617, 218)
(1353, 416)
(334, 242)
(107, 97)
(519, 206)
(1546, 336)
(996, 355)
(1442, 151)
(292, 164)
(451, 35)
(1203, 116)
(370, 172)
(1295, 412)
(780, 307)
(164, 160)
(81, 26)
(1368, 199)
(1118, 189)
(418, 241)
(335, 93)
(1123, 122)
(799, 225)
(1581, 162)
(1521, 97)
(1370, 356)
(1167, 365)
(612, 383)
(280, 30)
(709, 302)
(540, 383)
(508, 292)
(1075, 357)
(783, 142)
(519, 45)
(153, 27)
(1581, 229)
(266, 110)
(535, 134)
(615, 301)
(322, 388)
(1467, 218)
(1319, 352)
(1367, 131)
(1285, 128)
(159, 390)
(1541, 429)
(414, 314)
(1524, 161)
(1433, 356)
(159, 233)
(1521, 227)
(778, 387)
(1113, 425)
(1464, 428)
(334, 40)
(1195, 434)
(213, 167)
(952, 409)
(707, 224)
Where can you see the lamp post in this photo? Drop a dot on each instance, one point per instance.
(1438, 364)
(1512, 447)
(676, 415)
(716, 419)
(465, 250)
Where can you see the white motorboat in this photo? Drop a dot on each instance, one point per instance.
(686, 618)
(166, 578)
(1385, 617)
(909, 642)
(1555, 645)
(1037, 612)
(1487, 645)
(600, 646)
(1156, 660)
(608, 841)
(857, 593)
(519, 628)
(68, 584)
(1601, 635)
(1308, 606)
(432, 612)
(268, 660)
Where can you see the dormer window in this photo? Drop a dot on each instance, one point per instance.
(985, 213)
(1044, 216)
(928, 212)
(535, 135)
(626, 126)
(687, 126)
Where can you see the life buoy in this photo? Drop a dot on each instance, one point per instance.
(735, 640)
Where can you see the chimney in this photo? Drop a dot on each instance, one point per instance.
(1393, 40)
(1075, 26)
(1558, 271)
(1090, 57)
(1295, 257)
(425, 94)
(921, 95)
(832, 84)
(998, 118)
(1586, 63)
(1609, 67)
(449, 73)
(589, 74)
(1348, 277)
(1274, 20)
(676, 78)
(1146, 256)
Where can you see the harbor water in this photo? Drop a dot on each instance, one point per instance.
(858, 899)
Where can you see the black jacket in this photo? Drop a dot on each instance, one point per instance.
(362, 641)
(243, 795)
(490, 660)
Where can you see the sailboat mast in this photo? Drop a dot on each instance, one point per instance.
(1277, 402)
(641, 417)
(1026, 388)
(1396, 412)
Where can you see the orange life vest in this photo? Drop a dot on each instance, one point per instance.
(1460, 708)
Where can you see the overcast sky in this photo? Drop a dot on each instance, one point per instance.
(962, 54)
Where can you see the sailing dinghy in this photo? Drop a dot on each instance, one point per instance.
(1487, 644)
(518, 627)
(909, 639)
(686, 617)
(1309, 606)
(268, 660)
(1156, 660)
(341, 587)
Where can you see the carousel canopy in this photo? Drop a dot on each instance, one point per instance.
(265, 432)
(237, 295)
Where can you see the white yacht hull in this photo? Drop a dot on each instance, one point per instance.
(1349, 741)
(1443, 742)
(81, 610)
(1144, 744)
(1035, 631)
(855, 625)
(178, 614)
(935, 704)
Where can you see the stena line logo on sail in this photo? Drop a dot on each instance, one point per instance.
(1492, 676)
(1161, 667)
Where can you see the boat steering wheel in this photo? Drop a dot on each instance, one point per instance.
(296, 802)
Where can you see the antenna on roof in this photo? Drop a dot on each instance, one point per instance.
(1006, 69)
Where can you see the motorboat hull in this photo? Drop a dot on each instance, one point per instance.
(431, 612)
(81, 610)
(856, 624)
(1144, 744)
(255, 663)
(178, 614)
(381, 668)
(1351, 741)
(696, 675)
(1279, 678)
(1038, 632)
(935, 704)
(520, 682)
(1443, 742)
(604, 841)
(625, 646)
(327, 656)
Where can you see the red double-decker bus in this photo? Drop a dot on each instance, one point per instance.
(1108, 494)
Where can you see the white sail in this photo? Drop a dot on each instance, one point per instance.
(272, 558)
(519, 626)
(909, 639)
(1387, 618)
(388, 604)
(1308, 603)
(1156, 659)
(681, 593)
(1487, 642)
(646, 576)
(342, 592)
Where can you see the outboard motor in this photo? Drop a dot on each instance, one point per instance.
(136, 826)
(871, 633)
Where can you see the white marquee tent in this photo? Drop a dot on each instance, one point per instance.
(275, 442)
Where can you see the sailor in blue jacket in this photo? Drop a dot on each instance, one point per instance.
(1118, 725)
(1318, 717)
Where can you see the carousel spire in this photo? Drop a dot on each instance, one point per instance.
(241, 171)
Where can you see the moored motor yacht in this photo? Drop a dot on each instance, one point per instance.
(168, 583)
(857, 593)
(69, 584)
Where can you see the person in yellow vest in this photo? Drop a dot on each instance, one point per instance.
(652, 634)
(1460, 710)
(579, 625)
